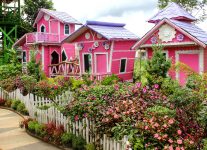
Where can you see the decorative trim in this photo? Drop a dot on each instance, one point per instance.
(201, 62)
(95, 60)
(170, 44)
(111, 55)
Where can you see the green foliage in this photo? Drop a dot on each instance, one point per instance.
(161, 111)
(75, 84)
(139, 71)
(90, 146)
(10, 70)
(8, 84)
(157, 67)
(22, 109)
(78, 143)
(110, 80)
(189, 5)
(10, 56)
(31, 125)
(67, 138)
(14, 104)
(86, 79)
(31, 7)
(205, 144)
(169, 86)
(39, 129)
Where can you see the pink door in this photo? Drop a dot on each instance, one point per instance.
(101, 63)
(192, 60)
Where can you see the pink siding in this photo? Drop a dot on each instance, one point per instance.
(46, 60)
(69, 49)
(42, 21)
(192, 60)
(62, 30)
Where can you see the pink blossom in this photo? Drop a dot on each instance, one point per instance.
(116, 87)
(177, 148)
(156, 135)
(85, 115)
(116, 116)
(182, 148)
(179, 141)
(171, 121)
(171, 147)
(156, 86)
(165, 136)
(179, 132)
(55, 87)
(191, 142)
(170, 141)
(76, 118)
(144, 90)
(138, 85)
(146, 127)
(156, 125)
(165, 126)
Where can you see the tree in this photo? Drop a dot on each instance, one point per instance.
(192, 6)
(158, 66)
(31, 7)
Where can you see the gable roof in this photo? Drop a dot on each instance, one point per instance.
(192, 31)
(108, 30)
(172, 11)
(61, 16)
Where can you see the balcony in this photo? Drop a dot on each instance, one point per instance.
(39, 37)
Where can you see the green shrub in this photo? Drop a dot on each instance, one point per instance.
(66, 138)
(8, 103)
(110, 80)
(75, 84)
(78, 143)
(14, 104)
(205, 144)
(20, 107)
(161, 111)
(39, 129)
(31, 126)
(90, 146)
(8, 84)
(10, 70)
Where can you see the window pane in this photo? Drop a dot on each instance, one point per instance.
(66, 29)
(64, 57)
(123, 65)
(42, 29)
(24, 57)
(87, 63)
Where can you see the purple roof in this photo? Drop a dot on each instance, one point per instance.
(172, 11)
(61, 16)
(109, 24)
(192, 29)
(111, 30)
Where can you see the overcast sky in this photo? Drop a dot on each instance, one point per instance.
(134, 13)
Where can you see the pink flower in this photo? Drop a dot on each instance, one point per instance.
(179, 132)
(171, 121)
(138, 85)
(171, 147)
(165, 136)
(179, 141)
(116, 87)
(156, 135)
(55, 87)
(76, 118)
(156, 125)
(170, 141)
(156, 86)
(177, 148)
(144, 90)
(116, 116)
(146, 127)
(85, 115)
(182, 148)
(191, 142)
(164, 125)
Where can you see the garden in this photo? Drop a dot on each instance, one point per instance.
(154, 111)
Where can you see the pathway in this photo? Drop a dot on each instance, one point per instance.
(14, 138)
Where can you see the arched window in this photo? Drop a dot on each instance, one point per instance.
(42, 29)
(64, 56)
(67, 30)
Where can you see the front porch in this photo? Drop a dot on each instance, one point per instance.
(72, 69)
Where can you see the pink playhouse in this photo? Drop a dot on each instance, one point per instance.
(183, 41)
(105, 48)
(52, 28)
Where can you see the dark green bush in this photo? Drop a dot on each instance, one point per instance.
(10, 70)
(90, 146)
(39, 129)
(78, 143)
(20, 107)
(14, 104)
(110, 80)
(31, 126)
(66, 138)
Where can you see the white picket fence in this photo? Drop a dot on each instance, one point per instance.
(83, 127)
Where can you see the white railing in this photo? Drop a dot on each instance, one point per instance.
(83, 127)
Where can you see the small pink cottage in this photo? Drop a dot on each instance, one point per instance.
(183, 41)
(104, 48)
(52, 28)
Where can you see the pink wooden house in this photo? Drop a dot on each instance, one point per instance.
(183, 41)
(52, 28)
(105, 48)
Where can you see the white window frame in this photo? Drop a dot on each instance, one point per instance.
(42, 25)
(201, 59)
(125, 70)
(68, 29)
(107, 62)
(63, 50)
(84, 62)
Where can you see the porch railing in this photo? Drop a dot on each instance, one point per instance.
(65, 69)
(39, 37)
